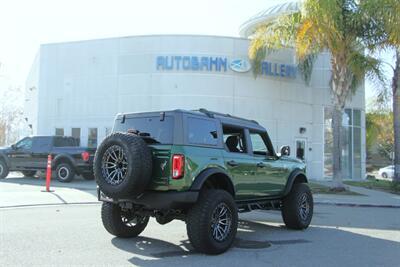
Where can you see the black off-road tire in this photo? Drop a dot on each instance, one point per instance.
(4, 170)
(28, 173)
(112, 217)
(138, 158)
(384, 175)
(65, 173)
(199, 222)
(88, 176)
(294, 207)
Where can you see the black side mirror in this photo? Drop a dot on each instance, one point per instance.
(285, 151)
(14, 147)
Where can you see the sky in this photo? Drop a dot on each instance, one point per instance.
(25, 24)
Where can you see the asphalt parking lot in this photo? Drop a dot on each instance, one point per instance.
(71, 234)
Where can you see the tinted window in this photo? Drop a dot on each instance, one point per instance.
(65, 141)
(159, 130)
(202, 132)
(41, 144)
(25, 143)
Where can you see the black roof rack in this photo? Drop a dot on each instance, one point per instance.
(211, 114)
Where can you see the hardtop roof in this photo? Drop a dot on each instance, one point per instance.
(224, 118)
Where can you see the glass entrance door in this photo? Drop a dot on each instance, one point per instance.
(301, 145)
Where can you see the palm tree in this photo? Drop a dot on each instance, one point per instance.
(382, 32)
(322, 25)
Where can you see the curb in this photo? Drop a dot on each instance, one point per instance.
(356, 205)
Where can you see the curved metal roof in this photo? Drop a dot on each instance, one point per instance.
(248, 27)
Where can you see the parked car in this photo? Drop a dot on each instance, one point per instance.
(30, 155)
(201, 167)
(386, 172)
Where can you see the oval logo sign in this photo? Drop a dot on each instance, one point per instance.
(240, 65)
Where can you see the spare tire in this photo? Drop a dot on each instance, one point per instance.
(123, 165)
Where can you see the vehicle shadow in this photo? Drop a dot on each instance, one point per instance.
(257, 242)
(340, 216)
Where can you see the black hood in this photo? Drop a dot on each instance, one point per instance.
(5, 149)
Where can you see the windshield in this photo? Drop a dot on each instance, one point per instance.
(160, 131)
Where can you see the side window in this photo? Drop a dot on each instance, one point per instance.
(25, 143)
(58, 142)
(234, 139)
(72, 141)
(65, 142)
(41, 144)
(258, 143)
(202, 132)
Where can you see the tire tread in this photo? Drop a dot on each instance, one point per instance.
(111, 218)
(197, 223)
(139, 155)
(290, 211)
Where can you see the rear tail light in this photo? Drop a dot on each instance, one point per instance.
(178, 166)
(85, 156)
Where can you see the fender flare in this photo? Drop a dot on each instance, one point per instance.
(62, 157)
(291, 180)
(202, 177)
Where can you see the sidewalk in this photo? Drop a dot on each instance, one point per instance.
(369, 198)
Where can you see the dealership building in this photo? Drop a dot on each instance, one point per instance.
(77, 88)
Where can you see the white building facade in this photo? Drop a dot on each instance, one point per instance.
(77, 88)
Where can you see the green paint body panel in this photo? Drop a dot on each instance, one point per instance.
(249, 180)
(254, 176)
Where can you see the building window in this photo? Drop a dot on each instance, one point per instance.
(76, 133)
(92, 137)
(351, 143)
(60, 131)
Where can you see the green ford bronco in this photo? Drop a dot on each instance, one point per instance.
(201, 167)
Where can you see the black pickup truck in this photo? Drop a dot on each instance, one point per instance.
(30, 155)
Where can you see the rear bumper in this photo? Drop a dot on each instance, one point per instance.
(156, 200)
(82, 168)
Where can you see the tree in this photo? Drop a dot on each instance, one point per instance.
(379, 133)
(10, 115)
(322, 25)
(382, 32)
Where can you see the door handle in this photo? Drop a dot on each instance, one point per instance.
(260, 165)
(232, 163)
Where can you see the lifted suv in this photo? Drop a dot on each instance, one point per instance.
(201, 167)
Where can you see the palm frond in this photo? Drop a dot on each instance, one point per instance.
(306, 65)
(272, 36)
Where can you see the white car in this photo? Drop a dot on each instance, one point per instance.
(386, 172)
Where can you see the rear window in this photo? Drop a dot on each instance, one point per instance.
(202, 132)
(159, 130)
